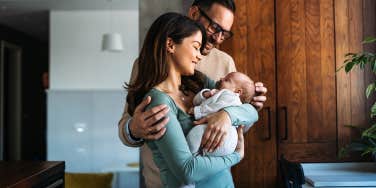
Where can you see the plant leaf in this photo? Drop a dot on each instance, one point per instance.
(370, 132)
(368, 40)
(350, 54)
(370, 88)
(349, 66)
(373, 110)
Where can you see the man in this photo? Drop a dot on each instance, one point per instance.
(217, 16)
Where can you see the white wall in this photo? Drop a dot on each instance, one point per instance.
(76, 59)
(86, 98)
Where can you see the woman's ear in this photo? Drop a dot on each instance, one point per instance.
(170, 46)
(194, 13)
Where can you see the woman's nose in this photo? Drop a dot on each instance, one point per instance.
(199, 56)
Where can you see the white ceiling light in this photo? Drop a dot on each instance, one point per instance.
(112, 41)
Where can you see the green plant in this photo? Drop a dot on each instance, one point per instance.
(367, 142)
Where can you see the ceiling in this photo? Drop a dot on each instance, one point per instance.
(32, 18)
(70, 4)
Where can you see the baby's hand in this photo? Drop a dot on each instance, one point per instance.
(208, 94)
(191, 111)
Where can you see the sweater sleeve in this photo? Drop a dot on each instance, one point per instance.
(244, 114)
(175, 151)
(123, 125)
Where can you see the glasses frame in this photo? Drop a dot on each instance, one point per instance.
(214, 25)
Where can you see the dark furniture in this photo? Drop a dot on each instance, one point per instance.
(33, 174)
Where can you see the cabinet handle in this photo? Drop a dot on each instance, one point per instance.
(269, 137)
(284, 108)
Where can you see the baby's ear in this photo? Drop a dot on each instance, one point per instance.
(239, 91)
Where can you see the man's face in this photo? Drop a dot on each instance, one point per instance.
(220, 17)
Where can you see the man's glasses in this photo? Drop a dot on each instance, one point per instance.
(216, 28)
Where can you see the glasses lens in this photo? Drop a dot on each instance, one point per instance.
(227, 34)
(216, 29)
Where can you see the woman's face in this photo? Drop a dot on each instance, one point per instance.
(187, 54)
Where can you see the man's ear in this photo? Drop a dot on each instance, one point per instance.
(194, 13)
(170, 46)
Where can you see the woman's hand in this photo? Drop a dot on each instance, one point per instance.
(218, 125)
(240, 147)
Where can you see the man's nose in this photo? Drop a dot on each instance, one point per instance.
(218, 37)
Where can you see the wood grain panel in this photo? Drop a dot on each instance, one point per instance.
(343, 80)
(305, 65)
(296, 96)
(329, 105)
(358, 99)
(310, 152)
(291, 67)
(261, 53)
(314, 71)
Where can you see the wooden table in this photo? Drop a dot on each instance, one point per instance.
(32, 174)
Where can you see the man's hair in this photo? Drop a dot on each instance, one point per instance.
(206, 4)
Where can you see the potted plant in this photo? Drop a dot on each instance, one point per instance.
(367, 142)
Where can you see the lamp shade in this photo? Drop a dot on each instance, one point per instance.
(112, 42)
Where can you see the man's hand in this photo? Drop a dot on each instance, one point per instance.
(260, 98)
(218, 125)
(149, 124)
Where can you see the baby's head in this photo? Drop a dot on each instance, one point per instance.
(238, 83)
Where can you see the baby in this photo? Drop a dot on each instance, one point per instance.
(232, 90)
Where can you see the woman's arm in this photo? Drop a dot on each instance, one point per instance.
(175, 151)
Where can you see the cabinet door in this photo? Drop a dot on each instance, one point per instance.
(306, 98)
(253, 49)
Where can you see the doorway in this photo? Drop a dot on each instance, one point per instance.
(10, 101)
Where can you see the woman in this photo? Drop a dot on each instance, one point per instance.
(170, 52)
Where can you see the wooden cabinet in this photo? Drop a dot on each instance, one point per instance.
(294, 47)
(32, 174)
(306, 99)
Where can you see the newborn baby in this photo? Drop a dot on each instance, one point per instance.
(232, 90)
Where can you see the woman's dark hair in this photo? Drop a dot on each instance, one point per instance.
(153, 68)
(206, 4)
